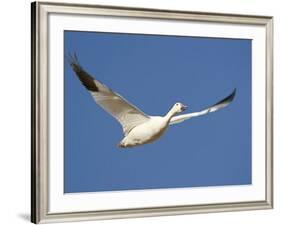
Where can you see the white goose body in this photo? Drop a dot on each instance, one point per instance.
(138, 128)
(147, 132)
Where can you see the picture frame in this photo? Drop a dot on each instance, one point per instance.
(48, 199)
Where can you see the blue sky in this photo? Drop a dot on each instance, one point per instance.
(153, 72)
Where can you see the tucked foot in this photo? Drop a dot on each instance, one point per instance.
(121, 145)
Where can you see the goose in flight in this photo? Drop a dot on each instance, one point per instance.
(138, 127)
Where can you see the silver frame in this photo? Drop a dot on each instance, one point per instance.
(39, 146)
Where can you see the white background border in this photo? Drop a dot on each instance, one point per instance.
(15, 112)
(60, 202)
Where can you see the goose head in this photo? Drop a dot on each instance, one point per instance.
(179, 107)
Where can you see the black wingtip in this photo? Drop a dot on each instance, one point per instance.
(72, 59)
(229, 98)
(87, 80)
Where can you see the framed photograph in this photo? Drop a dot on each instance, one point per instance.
(147, 112)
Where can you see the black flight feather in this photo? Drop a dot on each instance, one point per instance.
(87, 80)
(227, 99)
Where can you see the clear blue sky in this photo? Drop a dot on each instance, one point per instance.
(153, 72)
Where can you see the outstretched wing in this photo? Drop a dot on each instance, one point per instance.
(221, 104)
(128, 115)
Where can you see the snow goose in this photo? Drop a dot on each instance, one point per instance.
(138, 128)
